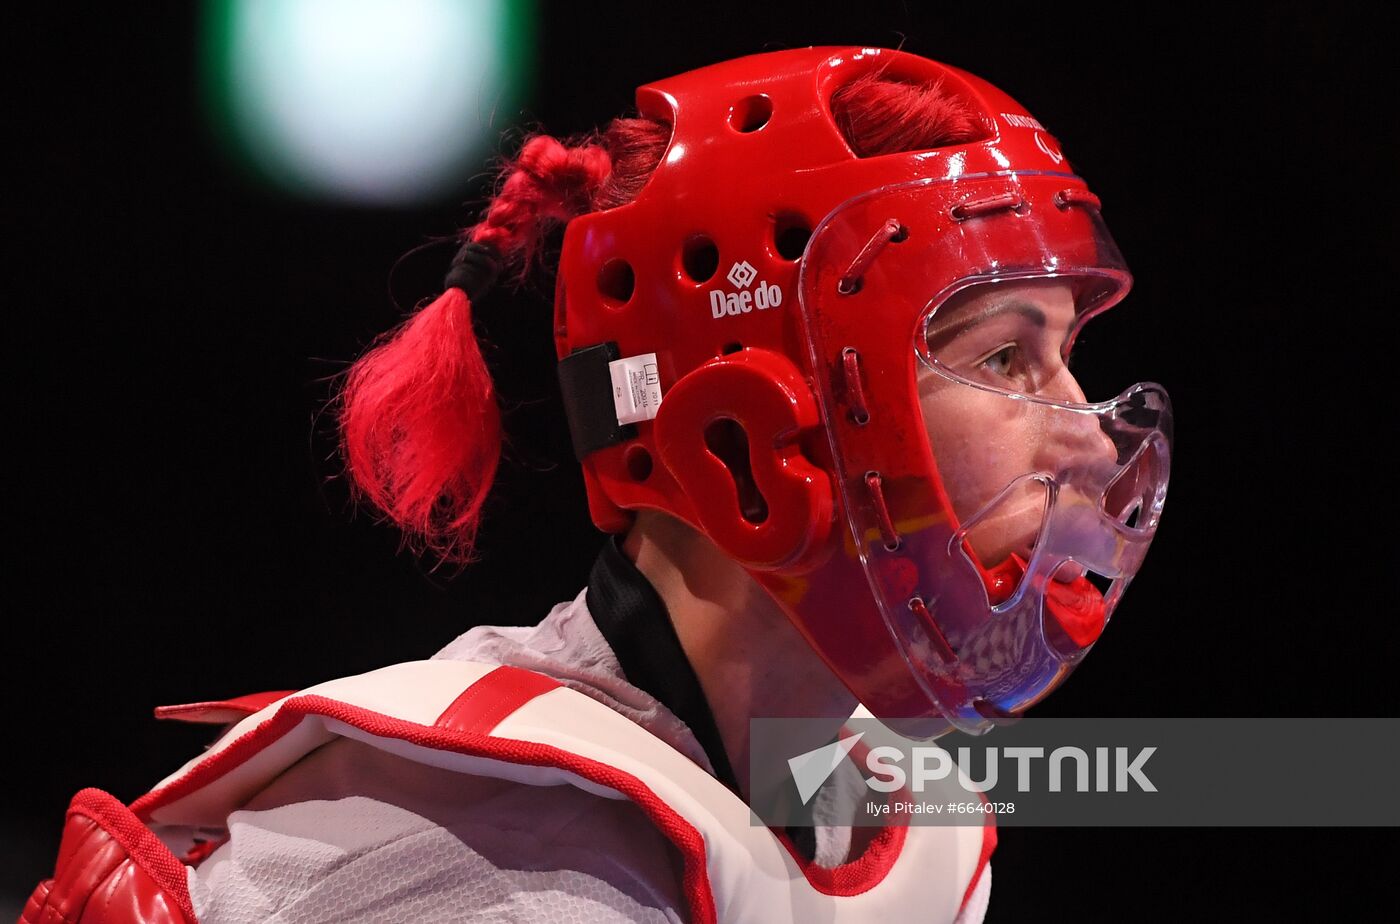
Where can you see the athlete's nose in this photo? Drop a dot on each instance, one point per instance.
(1074, 438)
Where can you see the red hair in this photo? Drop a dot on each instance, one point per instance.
(420, 427)
(878, 115)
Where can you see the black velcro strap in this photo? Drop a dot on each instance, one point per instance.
(588, 399)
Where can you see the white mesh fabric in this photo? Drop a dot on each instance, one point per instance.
(424, 844)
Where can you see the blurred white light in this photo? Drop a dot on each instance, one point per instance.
(379, 101)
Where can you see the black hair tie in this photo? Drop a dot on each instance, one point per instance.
(474, 270)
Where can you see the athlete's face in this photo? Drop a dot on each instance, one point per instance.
(1010, 337)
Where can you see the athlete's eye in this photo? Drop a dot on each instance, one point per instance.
(999, 363)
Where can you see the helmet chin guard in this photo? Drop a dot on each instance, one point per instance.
(803, 421)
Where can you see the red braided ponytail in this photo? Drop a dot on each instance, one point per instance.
(420, 427)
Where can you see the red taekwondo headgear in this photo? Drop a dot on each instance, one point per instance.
(850, 372)
(774, 398)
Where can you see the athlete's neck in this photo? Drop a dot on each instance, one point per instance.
(750, 660)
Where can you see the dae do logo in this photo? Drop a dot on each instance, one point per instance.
(741, 274)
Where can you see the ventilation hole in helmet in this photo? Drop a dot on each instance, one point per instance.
(700, 258)
(638, 463)
(732, 347)
(616, 282)
(726, 439)
(790, 236)
(751, 113)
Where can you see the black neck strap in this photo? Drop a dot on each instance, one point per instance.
(633, 619)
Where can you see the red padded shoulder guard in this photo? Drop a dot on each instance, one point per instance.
(111, 870)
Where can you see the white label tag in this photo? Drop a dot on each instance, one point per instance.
(636, 387)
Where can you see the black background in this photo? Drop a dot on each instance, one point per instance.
(180, 531)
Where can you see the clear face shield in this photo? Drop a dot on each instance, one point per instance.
(998, 513)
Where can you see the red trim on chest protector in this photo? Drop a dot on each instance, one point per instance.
(221, 711)
(492, 699)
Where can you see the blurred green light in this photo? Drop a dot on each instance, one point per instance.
(374, 101)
